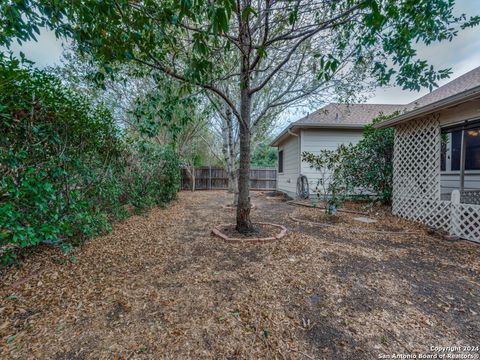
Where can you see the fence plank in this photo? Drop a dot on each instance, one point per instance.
(214, 178)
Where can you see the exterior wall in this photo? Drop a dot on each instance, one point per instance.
(450, 180)
(316, 140)
(287, 180)
(417, 177)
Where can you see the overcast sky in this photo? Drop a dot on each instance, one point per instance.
(462, 55)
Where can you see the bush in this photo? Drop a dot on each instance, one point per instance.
(67, 170)
(368, 165)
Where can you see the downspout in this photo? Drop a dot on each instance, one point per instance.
(300, 154)
(292, 133)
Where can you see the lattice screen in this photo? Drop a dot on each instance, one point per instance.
(466, 221)
(416, 181)
(416, 162)
(471, 197)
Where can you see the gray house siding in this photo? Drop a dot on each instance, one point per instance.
(314, 141)
(326, 139)
(287, 180)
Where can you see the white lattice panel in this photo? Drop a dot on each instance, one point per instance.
(416, 181)
(466, 221)
(416, 162)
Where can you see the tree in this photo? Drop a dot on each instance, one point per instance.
(264, 155)
(262, 40)
(118, 94)
(296, 86)
(178, 117)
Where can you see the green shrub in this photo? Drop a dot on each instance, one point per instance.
(353, 170)
(368, 165)
(67, 170)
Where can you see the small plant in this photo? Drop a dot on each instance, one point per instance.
(330, 187)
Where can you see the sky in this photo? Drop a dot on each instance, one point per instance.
(461, 55)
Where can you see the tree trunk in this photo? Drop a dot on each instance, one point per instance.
(191, 174)
(228, 150)
(244, 224)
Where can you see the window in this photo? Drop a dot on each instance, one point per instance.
(452, 147)
(280, 161)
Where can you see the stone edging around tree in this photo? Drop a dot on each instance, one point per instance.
(283, 231)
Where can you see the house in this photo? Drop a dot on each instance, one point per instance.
(436, 177)
(326, 128)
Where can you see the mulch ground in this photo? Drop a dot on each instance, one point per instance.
(261, 231)
(160, 286)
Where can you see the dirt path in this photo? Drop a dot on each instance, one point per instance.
(159, 286)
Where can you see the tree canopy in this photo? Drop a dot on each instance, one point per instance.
(252, 43)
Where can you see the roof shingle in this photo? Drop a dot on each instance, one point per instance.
(465, 82)
(347, 114)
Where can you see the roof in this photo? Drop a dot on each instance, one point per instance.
(338, 116)
(461, 89)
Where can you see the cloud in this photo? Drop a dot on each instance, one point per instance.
(47, 51)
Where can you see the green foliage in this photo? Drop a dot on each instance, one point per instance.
(117, 31)
(264, 156)
(368, 165)
(166, 108)
(331, 186)
(67, 171)
(381, 32)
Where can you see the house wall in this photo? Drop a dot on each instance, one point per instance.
(287, 180)
(450, 180)
(417, 178)
(316, 140)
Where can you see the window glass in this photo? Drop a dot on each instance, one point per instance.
(456, 149)
(443, 156)
(472, 156)
(452, 147)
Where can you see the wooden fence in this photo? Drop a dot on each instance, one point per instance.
(214, 178)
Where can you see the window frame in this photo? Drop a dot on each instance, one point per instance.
(449, 129)
(280, 161)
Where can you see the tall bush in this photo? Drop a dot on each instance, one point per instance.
(368, 165)
(66, 169)
(360, 169)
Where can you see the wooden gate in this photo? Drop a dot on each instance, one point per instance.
(215, 178)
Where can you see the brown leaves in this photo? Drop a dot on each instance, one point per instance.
(160, 286)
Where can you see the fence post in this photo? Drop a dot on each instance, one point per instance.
(454, 215)
(210, 177)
